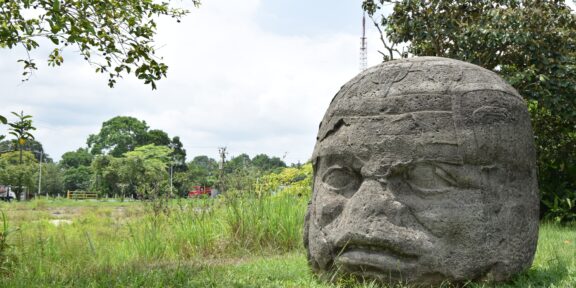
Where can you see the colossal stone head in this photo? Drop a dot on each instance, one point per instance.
(424, 171)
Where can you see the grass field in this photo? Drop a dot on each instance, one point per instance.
(194, 243)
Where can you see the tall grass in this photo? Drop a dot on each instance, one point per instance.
(112, 237)
(265, 223)
(195, 242)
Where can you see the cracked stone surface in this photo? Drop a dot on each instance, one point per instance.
(424, 171)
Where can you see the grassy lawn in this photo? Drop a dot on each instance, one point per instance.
(195, 243)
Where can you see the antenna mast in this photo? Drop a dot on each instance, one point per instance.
(363, 47)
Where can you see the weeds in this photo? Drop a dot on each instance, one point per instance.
(265, 223)
(244, 241)
(7, 259)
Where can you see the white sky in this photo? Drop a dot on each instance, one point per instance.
(255, 76)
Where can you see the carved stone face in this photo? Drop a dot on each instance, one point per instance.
(424, 171)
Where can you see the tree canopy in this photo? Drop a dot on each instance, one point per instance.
(118, 136)
(140, 172)
(178, 154)
(203, 170)
(31, 145)
(266, 163)
(531, 44)
(158, 137)
(75, 159)
(77, 171)
(133, 159)
(21, 129)
(117, 37)
(123, 134)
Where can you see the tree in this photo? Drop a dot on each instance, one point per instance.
(265, 163)
(237, 163)
(77, 178)
(295, 181)
(202, 170)
(178, 154)
(177, 166)
(21, 131)
(18, 169)
(105, 178)
(7, 145)
(123, 134)
(141, 172)
(146, 169)
(30, 145)
(75, 159)
(158, 137)
(115, 36)
(160, 154)
(77, 172)
(531, 44)
(556, 143)
(52, 179)
(118, 136)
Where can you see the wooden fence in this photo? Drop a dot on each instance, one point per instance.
(81, 195)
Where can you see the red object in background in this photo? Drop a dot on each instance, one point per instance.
(200, 190)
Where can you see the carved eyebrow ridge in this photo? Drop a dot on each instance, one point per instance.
(341, 122)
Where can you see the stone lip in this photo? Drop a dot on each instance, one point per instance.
(366, 260)
(402, 249)
(368, 256)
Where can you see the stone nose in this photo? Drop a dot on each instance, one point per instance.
(376, 203)
(375, 217)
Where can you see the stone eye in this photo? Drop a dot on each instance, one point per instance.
(341, 180)
(430, 178)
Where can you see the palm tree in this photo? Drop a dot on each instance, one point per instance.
(20, 129)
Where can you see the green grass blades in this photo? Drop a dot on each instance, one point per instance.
(241, 241)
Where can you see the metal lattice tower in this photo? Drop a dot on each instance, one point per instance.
(363, 46)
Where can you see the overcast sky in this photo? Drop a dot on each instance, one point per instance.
(255, 76)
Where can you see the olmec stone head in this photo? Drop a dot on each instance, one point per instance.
(424, 171)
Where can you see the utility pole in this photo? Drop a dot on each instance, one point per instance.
(171, 173)
(172, 160)
(222, 152)
(40, 174)
(363, 46)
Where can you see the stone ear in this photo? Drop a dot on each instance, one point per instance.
(490, 114)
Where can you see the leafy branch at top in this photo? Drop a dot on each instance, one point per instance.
(21, 128)
(115, 36)
(2, 121)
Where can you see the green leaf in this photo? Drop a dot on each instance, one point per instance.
(88, 26)
(542, 78)
(54, 39)
(3, 120)
(56, 5)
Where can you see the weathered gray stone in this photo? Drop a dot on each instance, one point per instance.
(424, 171)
